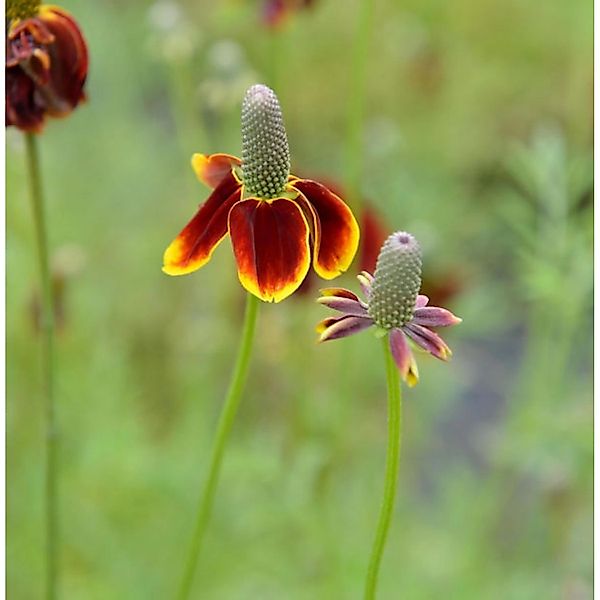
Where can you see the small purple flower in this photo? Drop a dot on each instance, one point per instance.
(393, 304)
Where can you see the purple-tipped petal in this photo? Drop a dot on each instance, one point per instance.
(340, 292)
(336, 328)
(344, 305)
(428, 340)
(403, 357)
(365, 279)
(422, 301)
(433, 316)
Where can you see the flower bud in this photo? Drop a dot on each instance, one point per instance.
(397, 281)
(46, 65)
(265, 150)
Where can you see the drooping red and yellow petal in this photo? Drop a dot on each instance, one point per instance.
(193, 247)
(271, 245)
(336, 240)
(211, 169)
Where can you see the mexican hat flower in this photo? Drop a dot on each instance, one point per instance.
(278, 223)
(46, 64)
(393, 304)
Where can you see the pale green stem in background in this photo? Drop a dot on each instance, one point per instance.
(391, 470)
(356, 105)
(230, 407)
(47, 327)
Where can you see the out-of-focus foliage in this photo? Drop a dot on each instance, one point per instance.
(478, 141)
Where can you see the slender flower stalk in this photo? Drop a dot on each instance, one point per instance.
(230, 408)
(401, 316)
(46, 67)
(47, 328)
(392, 462)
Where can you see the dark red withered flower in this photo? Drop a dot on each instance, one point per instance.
(46, 64)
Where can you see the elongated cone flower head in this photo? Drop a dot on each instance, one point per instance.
(397, 281)
(46, 64)
(265, 149)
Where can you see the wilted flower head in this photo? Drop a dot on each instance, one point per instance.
(46, 64)
(393, 304)
(277, 222)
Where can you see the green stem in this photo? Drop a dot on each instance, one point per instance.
(47, 326)
(232, 402)
(391, 469)
(356, 104)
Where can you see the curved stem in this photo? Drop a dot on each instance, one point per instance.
(47, 326)
(356, 104)
(391, 470)
(230, 407)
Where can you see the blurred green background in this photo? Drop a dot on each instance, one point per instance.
(478, 140)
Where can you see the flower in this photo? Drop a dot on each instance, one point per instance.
(46, 64)
(277, 222)
(276, 12)
(393, 304)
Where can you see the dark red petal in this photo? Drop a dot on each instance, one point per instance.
(68, 61)
(24, 109)
(211, 169)
(193, 247)
(337, 237)
(25, 37)
(271, 245)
